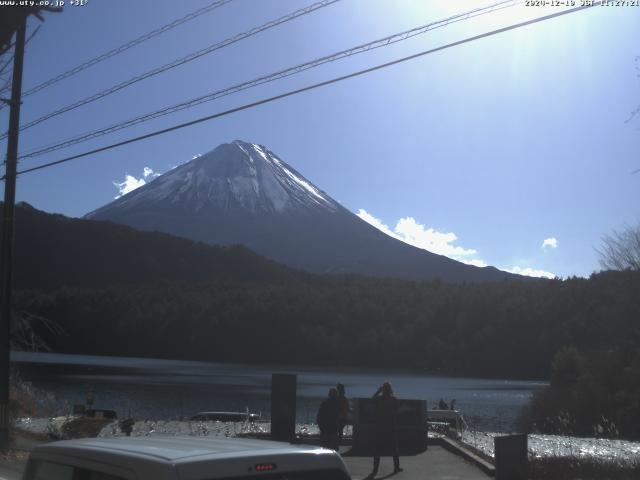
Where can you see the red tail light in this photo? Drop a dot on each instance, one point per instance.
(265, 467)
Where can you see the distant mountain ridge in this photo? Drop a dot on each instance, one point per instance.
(53, 251)
(242, 193)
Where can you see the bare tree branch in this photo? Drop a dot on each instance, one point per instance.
(621, 249)
(24, 334)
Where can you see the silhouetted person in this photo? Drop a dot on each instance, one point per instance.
(453, 404)
(344, 411)
(442, 405)
(328, 420)
(126, 426)
(386, 408)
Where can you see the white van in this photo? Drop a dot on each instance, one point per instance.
(181, 458)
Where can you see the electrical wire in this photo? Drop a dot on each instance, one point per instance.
(309, 87)
(7, 86)
(179, 62)
(122, 48)
(382, 42)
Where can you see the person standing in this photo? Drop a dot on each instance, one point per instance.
(344, 411)
(386, 408)
(328, 420)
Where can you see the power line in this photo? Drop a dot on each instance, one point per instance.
(6, 64)
(181, 61)
(383, 42)
(7, 86)
(126, 46)
(309, 87)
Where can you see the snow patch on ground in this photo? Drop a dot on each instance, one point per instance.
(145, 428)
(540, 446)
(546, 446)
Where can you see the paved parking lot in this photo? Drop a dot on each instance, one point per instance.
(435, 464)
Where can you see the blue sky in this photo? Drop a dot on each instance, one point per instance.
(513, 150)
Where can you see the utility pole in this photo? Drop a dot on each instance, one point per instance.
(6, 253)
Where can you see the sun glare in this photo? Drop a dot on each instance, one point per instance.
(489, 15)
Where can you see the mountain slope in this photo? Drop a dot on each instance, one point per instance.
(54, 251)
(241, 193)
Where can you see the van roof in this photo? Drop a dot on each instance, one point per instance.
(177, 449)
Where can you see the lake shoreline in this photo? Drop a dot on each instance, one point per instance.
(175, 389)
(18, 357)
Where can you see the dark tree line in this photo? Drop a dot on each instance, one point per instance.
(508, 329)
(593, 392)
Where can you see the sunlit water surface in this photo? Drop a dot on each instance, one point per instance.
(171, 389)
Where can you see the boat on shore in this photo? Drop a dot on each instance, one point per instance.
(225, 417)
(446, 421)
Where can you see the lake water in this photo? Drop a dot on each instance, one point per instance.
(173, 389)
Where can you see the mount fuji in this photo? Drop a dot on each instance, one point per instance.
(242, 193)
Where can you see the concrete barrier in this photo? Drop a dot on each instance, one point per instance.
(411, 425)
(510, 453)
(283, 407)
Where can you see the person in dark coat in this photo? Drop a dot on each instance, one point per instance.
(386, 408)
(344, 411)
(329, 420)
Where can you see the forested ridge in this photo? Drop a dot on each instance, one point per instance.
(508, 329)
(53, 251)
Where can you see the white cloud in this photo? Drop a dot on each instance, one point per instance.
(441, 243)
(130, 182)
(550, 242)
(149, 173)
(476, 262)
(371, 220)
(408, 230)
(529, 272)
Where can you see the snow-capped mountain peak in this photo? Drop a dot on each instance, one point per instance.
(242, 193)
(298, 188)
(234, 176)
